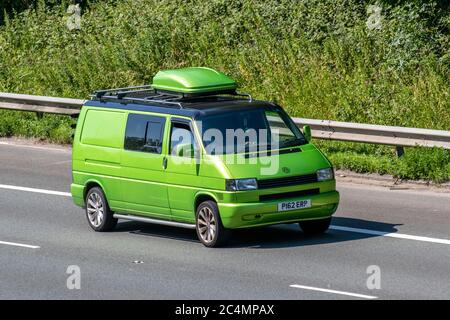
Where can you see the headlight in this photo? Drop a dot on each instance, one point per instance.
(325, 174)
(241, 184)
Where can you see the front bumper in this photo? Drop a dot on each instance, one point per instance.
(254, 214)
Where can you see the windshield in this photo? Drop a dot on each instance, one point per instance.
(249, 130)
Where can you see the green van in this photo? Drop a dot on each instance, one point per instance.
(190, 151)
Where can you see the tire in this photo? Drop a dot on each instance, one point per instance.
(210, 230)
(315, 227)
(99, 215)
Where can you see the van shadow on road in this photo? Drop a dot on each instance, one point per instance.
(279, 236)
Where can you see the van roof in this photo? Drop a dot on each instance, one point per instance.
(192, 109)
(149, 99)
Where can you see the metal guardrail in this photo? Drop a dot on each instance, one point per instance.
(376, 134)
(40, 104)
(321, 129)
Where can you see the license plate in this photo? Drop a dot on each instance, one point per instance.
(294, 205)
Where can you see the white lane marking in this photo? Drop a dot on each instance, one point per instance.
(56, 193)
(33, 147)
(391, 234)
(333, 227)
(351, 294)
(19, 245)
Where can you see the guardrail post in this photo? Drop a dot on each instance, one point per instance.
(73, 126)
(400, 151)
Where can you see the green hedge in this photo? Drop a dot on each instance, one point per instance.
(317, 58)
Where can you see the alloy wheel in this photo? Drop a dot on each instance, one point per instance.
(206, 224)
(95, 209)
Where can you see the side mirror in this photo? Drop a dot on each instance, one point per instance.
(184, 150)
(307, 133)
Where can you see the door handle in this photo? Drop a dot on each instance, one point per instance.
(164, 164)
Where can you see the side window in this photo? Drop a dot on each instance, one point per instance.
(144, 133)
(182, 142)
(277, 124)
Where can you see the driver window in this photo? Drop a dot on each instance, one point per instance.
(181, 137)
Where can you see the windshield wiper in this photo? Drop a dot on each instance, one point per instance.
(293, 142)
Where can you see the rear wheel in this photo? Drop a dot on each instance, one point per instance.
(210, 230)
(98, 213)
(314, 227)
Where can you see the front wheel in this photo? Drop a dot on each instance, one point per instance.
(314, 227)
(98, 213)
(210, 230)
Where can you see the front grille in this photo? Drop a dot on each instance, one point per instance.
(287, 181)
(287, 195)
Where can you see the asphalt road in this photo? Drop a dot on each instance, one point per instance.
(406, 234)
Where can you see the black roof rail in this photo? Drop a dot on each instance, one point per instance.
(146, 100)
(244, 94)
(100, 93)
(140, 94)
(147, 94)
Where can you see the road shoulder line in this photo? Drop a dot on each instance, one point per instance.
(390, 234)
(35, 190)
(345, 293)
(15, 244)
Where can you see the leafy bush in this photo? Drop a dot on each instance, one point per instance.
(318, 58)
(52, 128)
(9, 8)
(421, 163)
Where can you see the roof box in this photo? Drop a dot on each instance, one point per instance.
(193, 81)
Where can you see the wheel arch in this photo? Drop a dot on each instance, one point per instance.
(202, 197)
(92, 184)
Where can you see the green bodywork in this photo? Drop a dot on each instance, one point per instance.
(137, 182)
(170, 185)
